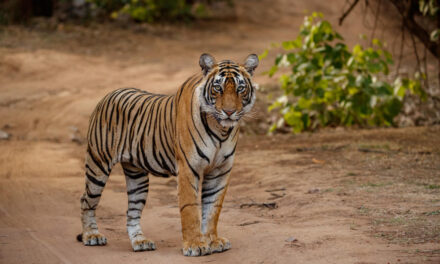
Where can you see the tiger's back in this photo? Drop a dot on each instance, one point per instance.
(136, 127)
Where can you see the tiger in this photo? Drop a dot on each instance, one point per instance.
(191, 134)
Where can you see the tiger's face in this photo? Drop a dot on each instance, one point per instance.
(228, 93)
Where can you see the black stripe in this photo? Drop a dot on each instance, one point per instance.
(88, 205)
(189, 165)
(132, 121)
(194, 123)
(162, 134)
(125, 104)
(156, 127)
(90, 194)
(134, 209)
(101, 132)
(95, 181)
(211, 192)
(143, 111)
(143, 191)
(183, 87)
(164, 163)
(207, 128)
(112, 98)
(129, 170)
(147, 165)
(199, 151)
(88, 167)
(191, 204)
(153, 111)
(220, 175)
(138, 201)
(230, 154)
(171, 116)
(97, 163)
(136, 176)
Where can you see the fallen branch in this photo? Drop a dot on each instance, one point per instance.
(276, 190)
(366, 150)
(249, 223)
(275, 196)
(422, 152)
(260, 205)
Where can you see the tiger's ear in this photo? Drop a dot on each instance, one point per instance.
(206, 62)
(251, 63)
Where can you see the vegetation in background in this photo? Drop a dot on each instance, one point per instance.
(147, 10)
(155, 10)
(329, 85)
(420, 24)
(430, 8)
(19, 11)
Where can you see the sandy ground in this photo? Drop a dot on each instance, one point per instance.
(337, 196)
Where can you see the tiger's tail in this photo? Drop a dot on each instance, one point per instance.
(79, 237)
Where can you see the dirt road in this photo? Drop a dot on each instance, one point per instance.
(338, 196)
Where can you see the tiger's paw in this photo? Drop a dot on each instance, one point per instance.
(93, 238)
(196, 248)
(140, 243)
(220, 244)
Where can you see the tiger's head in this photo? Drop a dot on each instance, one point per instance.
(228, 93)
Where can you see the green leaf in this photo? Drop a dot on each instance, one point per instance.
(288, 45)
(376, 42)
(278, 59)
(435, 35)
(264, 54)
(294, 119)
(273, 70)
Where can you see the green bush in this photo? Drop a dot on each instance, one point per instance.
(154, 10)
(328, 85)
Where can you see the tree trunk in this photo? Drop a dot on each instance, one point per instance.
(406, 10)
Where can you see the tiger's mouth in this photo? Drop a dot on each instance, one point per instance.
(228, 122)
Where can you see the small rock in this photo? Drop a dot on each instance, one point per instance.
(75, 138)
(75, 135)
(8, 126)
(316, 190)
(291, 239)
(74, 129)
(4, 135)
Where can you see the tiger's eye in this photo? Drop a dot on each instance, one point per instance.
(217, 88)
(240, 88)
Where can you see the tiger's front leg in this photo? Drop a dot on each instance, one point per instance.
(194, 243)
(213, 193)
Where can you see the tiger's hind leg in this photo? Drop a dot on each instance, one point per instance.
(137, 190)
(97, 173)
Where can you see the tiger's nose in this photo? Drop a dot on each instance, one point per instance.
(228, 112)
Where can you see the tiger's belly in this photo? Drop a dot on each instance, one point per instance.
(155, 161)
